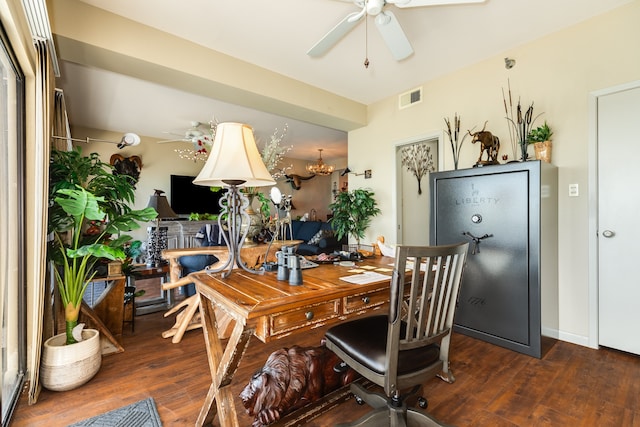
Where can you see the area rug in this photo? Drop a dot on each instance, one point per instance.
(140, 414)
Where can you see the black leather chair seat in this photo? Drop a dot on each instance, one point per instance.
(366, 341)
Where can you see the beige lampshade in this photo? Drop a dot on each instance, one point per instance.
(160, 203)
(234, 157)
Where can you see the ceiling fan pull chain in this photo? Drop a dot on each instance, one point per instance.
(366, 37)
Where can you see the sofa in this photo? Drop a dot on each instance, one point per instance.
(317, 236)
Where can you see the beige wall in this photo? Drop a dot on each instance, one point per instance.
(557, 73)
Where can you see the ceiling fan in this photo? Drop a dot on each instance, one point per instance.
(386, 22)
(198, 134)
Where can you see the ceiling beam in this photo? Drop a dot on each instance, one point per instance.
(93, 37)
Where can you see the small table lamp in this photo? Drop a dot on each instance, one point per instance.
(234, 162)
(157, 236)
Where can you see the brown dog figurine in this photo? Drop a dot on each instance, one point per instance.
(290, 379)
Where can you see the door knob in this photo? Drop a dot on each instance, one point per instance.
(608, 233)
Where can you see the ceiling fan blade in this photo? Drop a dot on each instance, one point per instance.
(393, 36)
(420, 3)
(335, 34)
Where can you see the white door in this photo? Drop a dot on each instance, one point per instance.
(618, 229)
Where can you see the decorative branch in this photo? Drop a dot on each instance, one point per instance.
(273, 154)
(418, 160)
(454, 135)
(520, 126)
(509, 116)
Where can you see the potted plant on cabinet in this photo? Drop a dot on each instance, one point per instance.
(352, 213)
(540, 137)
(74, 254)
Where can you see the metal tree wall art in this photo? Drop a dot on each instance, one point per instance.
(417, 158)
(454, 138)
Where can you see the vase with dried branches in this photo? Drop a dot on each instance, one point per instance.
(273, 155)
(519, 124)
(454, 138)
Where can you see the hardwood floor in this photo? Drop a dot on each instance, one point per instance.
(569, 386)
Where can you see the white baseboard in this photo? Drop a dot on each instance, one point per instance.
(566, 336)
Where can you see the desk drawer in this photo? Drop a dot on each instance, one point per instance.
(366, 300)
(300, 317)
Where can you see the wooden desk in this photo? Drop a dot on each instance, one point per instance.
(252, 255)
(272, 309)
(188, 319)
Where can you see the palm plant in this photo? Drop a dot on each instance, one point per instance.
(69, 169)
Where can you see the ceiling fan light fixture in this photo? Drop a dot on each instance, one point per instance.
(129, 139)
(374, 7)
(320, 167)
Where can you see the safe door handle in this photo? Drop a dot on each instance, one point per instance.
(608, 234)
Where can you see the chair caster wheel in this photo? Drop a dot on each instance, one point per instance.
(422, 402)
(359, 400)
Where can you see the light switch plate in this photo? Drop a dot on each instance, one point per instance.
(574, 190)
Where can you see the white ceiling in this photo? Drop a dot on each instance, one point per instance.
(276, 35)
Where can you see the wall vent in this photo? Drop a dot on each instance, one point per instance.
(409, 98)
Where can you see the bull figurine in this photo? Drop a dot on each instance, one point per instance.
(488, 143)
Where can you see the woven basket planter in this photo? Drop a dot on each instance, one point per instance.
(543, 151)
(65, 367)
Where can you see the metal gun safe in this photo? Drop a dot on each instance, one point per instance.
(508, 213)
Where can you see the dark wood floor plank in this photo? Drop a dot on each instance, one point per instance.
(569, 386)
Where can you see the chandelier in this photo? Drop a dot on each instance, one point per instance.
(319, 168)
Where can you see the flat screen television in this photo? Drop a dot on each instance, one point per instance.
(188, 198)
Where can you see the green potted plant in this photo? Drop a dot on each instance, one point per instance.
(352, 213)
(84, 189)
(540, 134)
(80, 254)
(132, 250)
(88, 205)
(540, 137)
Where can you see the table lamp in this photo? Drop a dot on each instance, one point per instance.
(234, 162)
(157, 236)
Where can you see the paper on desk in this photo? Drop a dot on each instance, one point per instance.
(423, 265)
(364, 278)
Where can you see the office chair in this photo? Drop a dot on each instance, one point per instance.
(408, 346)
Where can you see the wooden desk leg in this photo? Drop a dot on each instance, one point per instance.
(223, 364)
